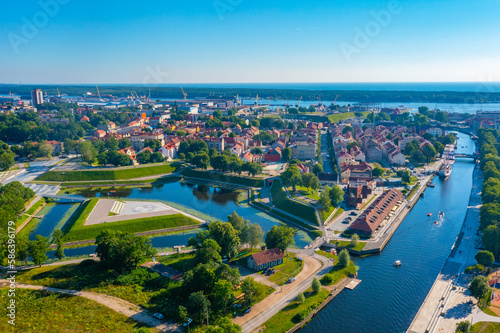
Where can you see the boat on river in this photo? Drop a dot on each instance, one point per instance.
(429, 214)
(431, 184)
(397, 263)
(445, 170)
(441, 214)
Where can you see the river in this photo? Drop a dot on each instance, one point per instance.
(388, 298)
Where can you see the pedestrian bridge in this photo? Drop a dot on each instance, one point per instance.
(72, 198)
(473, 156)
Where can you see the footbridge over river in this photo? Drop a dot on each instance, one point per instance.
(72, 198)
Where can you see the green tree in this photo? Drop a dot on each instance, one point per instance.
(256, 151)
(324, 198)
(122, 250)
(300, 298)
(377, 172)
(317, 169)
(291, 177)
(222, 295)
(182, 314)
(6, 160)
(344, 258)
(491, 239)
(143, 157)
(354, 240)
(157, 157)
(208, 252)
(197, 306)
(102, 158)
(280, 237)
(316, 285)
(37, 249)
(336, 195)
(286, 154)
(248, 288)
(479, 287)
(87, 152)
(201, 160)
(255, 235)
(429, 151)
(406, 177)
(485, 258)
(226, 236)
(464, 327)
(22, 248)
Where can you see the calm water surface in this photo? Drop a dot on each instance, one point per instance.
(388, 298)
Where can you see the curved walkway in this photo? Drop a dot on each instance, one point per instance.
(116, 304)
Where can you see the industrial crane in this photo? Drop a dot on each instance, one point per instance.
(257, 100)
(98, 93)
(298, 104)
(58, 93)
(185, 95)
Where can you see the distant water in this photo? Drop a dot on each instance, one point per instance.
(483, 87)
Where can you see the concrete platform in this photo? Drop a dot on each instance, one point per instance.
(353, 284)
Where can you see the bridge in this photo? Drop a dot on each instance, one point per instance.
(72, 198)
(473, 156)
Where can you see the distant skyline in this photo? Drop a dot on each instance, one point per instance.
(242, 41)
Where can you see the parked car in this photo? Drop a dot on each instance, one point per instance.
(291, 280)
(349, 218)
(345, 221)
(246, 311)
(158, 315)
(353, 213)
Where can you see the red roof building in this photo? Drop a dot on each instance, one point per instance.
(265, 259)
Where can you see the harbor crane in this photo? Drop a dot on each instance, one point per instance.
(184, 93)
(58, 93)
(298, 104)
(98, 93)
(257, 100)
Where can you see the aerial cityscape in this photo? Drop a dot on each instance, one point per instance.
(232, 166)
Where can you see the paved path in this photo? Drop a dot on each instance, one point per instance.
(314, 266)
(444, 307)
(119, 305)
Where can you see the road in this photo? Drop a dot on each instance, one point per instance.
(314, 266)
(327, 167)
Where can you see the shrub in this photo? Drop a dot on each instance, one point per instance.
(344, 258)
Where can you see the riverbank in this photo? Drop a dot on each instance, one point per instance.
(450, 289)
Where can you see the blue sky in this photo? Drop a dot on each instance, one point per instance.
(169, 41)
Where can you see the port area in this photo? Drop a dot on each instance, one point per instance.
(449, 301)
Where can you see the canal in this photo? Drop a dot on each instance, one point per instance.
(388, 298)
(213, 202)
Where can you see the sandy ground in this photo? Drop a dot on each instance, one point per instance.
(311, 265)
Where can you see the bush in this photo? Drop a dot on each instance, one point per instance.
(485, 258)
(301, 298)
(86, 263)
(344, 258)
(300, 316)
(316, 286)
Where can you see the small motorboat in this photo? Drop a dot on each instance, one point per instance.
(441, 214)
(397, 263)
(429, 214)
(436, 222)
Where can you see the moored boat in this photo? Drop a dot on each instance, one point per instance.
(445, 171)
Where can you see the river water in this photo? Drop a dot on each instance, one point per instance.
(388, 298)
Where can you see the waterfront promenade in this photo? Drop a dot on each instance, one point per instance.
(447, 301)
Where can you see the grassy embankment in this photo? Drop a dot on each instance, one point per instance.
(333, 118)
(348, 245)
(224, 178)
(324, 214)
(281, 201)
(75, 230)
(295, 312)
(338, 272)
(30, 211)
(290, 267)
(106, 174)
(486, 327)
(41, 311)
(303, 191)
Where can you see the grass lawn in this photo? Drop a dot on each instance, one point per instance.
(347, 244)
(104, 174)
(40, 311)
(290, 267)
(311, 194)
(224, 178)
(76, 231)
(294, 313)
(333, 118)
(180, 261)
(486, 327)
(96, 278)
(281, 201)
(338, 273)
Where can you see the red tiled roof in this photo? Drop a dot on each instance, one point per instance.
(266, 256)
